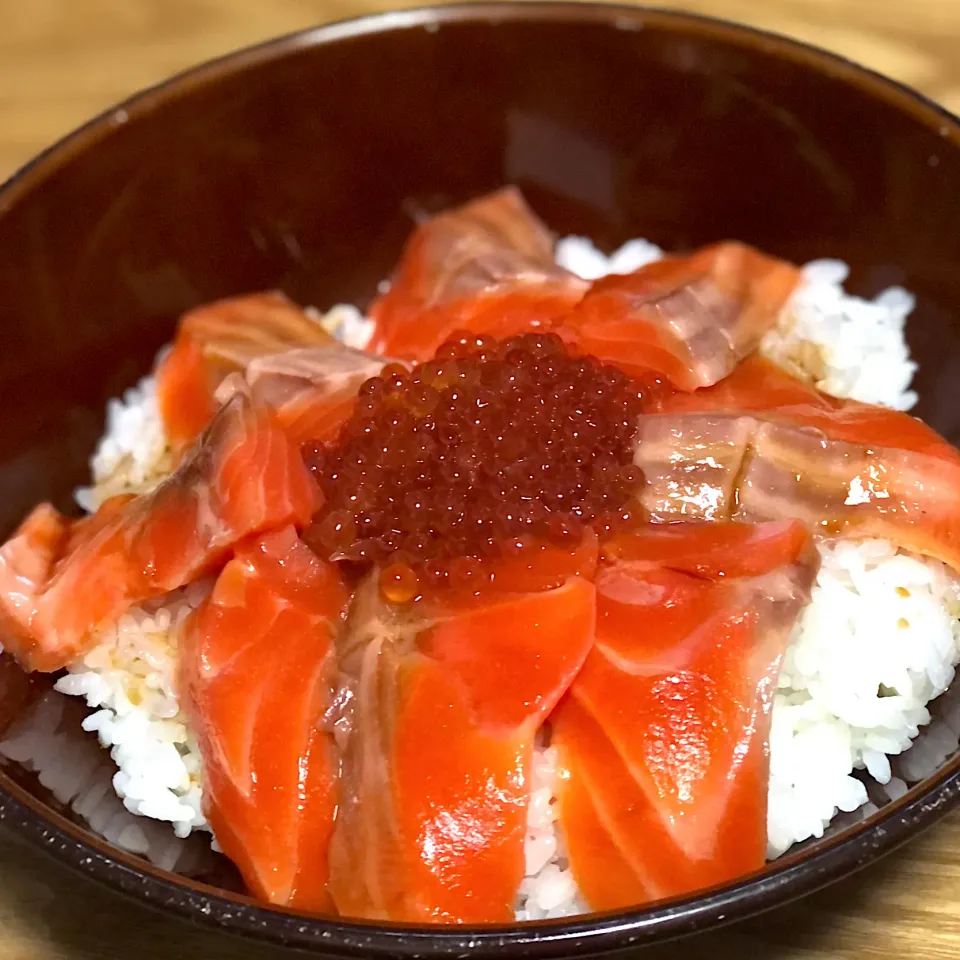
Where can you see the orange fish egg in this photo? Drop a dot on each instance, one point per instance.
(490, 441)
(398, 583)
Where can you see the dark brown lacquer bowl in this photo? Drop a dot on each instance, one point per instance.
(301, 163)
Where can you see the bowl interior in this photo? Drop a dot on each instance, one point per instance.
(303, 164)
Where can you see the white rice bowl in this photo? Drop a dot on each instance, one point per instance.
(878, 641)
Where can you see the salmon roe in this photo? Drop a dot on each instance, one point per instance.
(444, 466)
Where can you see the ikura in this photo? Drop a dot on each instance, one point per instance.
(441, 466)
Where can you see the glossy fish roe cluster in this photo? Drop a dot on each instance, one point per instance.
(460, 457)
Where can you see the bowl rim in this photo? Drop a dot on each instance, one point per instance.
(790, 877)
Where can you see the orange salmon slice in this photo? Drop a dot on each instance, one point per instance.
(218, 339)
(487, 267)
(441, 719)
(257, 670)
(689, 319)
(663, 735)
(312, 391)
(59, 580)
(762, 445)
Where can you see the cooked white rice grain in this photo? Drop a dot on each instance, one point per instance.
(346, 323)
(847, 346)
(580, 256)
(878, 641)
(129, 680)
(133, 456)
(47, 740)
(548, 889)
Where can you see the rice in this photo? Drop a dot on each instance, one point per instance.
(47, 740)
(133, 456)
(878, 641)
(548, 889)
(129, 680)
(580, 256)
(847, 346)
(346, 323)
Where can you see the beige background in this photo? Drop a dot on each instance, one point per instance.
(61, 61)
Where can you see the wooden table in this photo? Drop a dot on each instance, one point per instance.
(61, 61)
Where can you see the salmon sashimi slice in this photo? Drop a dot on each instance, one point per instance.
(487, 267)
(663, 735)
(754, 384)
(843, 468)
(217, 339)
(313, 390)
(535, 566)
(257, 673)
(314, 417)
(280, 379)
(758, 385)
(497, 315)
(438, 726)
(60, 580)
(688, 319)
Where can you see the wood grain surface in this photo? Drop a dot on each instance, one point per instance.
(61, 61)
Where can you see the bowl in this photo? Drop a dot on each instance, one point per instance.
(301, 164)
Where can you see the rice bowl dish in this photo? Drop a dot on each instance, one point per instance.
(869, 623)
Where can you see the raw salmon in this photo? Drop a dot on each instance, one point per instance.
(60, 580)
(844, 468)
(688, 319)
(487, 267)
(664, 732)
(317, 417)
(313, 391)
(257, 674)
(760, 386)
(754, 384)
(440, 709)
(217, 339)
